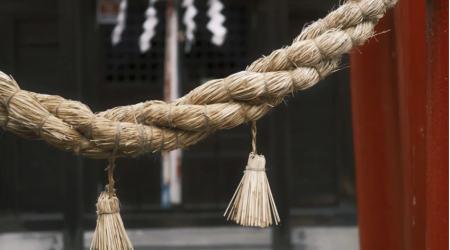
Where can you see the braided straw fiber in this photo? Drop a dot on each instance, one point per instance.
(109, 233)
(217, 104)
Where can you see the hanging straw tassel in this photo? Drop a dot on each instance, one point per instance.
(110, 233)
(252, 203)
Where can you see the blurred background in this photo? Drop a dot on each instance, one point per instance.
(64, 47)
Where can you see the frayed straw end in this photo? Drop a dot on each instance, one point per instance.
(110, 233)
(252, 203)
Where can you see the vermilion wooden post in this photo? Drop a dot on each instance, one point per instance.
(410, 21)
(400, 119)
(376, 138)
(437, 125)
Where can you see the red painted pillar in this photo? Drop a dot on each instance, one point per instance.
(376, 138)
(410, 21)
(437, 125)
(400, 119)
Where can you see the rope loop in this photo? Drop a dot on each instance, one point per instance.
(89, 134)
(80, 146)
(112, 212)
(117, 140)
(363, 14)
(293, 83)
(57, 107)
(268, 64)
(266, 87)
(151, 138)
(288, 58)
(10, 98)
(142, 114)
(322, 55)
(205, 113)
(39, 131)
(134, 115)
(5, 124)
(176, 138)
(170, 116)
(225, 84)
(162, 141)
(142, 138)
(352, 40)
(318, 72)
(244, 112)
(255, 169)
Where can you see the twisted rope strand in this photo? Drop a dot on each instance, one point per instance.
(332, 44)
(352, 13)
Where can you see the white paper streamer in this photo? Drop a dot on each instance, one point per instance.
(149, 27)
(215, 24)
(120, 26)
(188, 21)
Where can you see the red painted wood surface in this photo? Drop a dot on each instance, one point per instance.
(400, 119)
(437, 126)
(376, 141)
(410, 21)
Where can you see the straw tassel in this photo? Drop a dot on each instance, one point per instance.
(110, 233)
(252, 203)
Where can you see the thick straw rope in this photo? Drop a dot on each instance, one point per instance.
(217, 104)
(222, 115)
(28, 118)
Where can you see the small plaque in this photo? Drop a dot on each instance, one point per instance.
(107, 11)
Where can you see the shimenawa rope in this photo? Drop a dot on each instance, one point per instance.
(247, 95)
